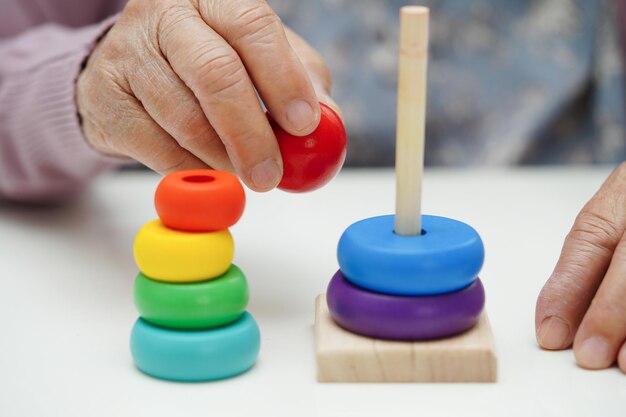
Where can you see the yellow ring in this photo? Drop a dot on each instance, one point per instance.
(174, 256)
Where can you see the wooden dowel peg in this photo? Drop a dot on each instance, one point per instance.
(411, 119)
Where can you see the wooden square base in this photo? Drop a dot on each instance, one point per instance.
(347, 357)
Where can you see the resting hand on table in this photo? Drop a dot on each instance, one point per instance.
(584, 301)
(174, 85)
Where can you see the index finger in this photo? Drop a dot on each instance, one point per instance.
(584, 260)
(253, 29)
(316, 68)
(216, 75)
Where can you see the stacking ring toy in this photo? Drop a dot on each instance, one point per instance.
(445, 258)
(197, 305)
(170, 255)
(195, 355)
(392, 317)
(199, 200)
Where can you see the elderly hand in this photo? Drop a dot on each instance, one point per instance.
(584, 301)
(174, 85)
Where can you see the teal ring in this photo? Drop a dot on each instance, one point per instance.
(195, 355)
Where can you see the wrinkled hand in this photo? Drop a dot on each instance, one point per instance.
(174, 85)
(584, 301)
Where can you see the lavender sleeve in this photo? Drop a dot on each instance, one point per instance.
(43, 154)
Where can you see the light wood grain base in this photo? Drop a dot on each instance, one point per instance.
(347, 357)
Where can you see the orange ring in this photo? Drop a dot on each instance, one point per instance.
(199, 200)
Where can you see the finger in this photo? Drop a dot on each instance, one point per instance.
(149, 144)
(316, 68)
(603, 329)
(253, 29)
(217, 77)
(584, 260)
(137, 136)
(117, 124)
(173, 106)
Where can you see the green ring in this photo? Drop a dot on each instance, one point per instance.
(198, 305)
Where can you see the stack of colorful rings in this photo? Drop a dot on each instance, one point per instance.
(407, 287)
(192, 300)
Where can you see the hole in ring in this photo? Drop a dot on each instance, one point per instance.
(199, 178)
(421, 234)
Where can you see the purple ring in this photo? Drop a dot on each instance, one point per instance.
(396, 317)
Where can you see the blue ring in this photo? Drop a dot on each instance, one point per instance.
(445, 258)
(195, 355)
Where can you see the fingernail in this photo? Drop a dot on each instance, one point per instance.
(553, 333)
(300, 115)
(265, 175)
(593, 353)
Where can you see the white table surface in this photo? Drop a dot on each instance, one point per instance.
(66, 277)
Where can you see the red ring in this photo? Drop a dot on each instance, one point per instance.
(199, 200)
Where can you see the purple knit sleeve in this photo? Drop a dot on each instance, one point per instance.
(43, 154)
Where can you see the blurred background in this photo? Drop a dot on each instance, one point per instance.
(510, 82)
